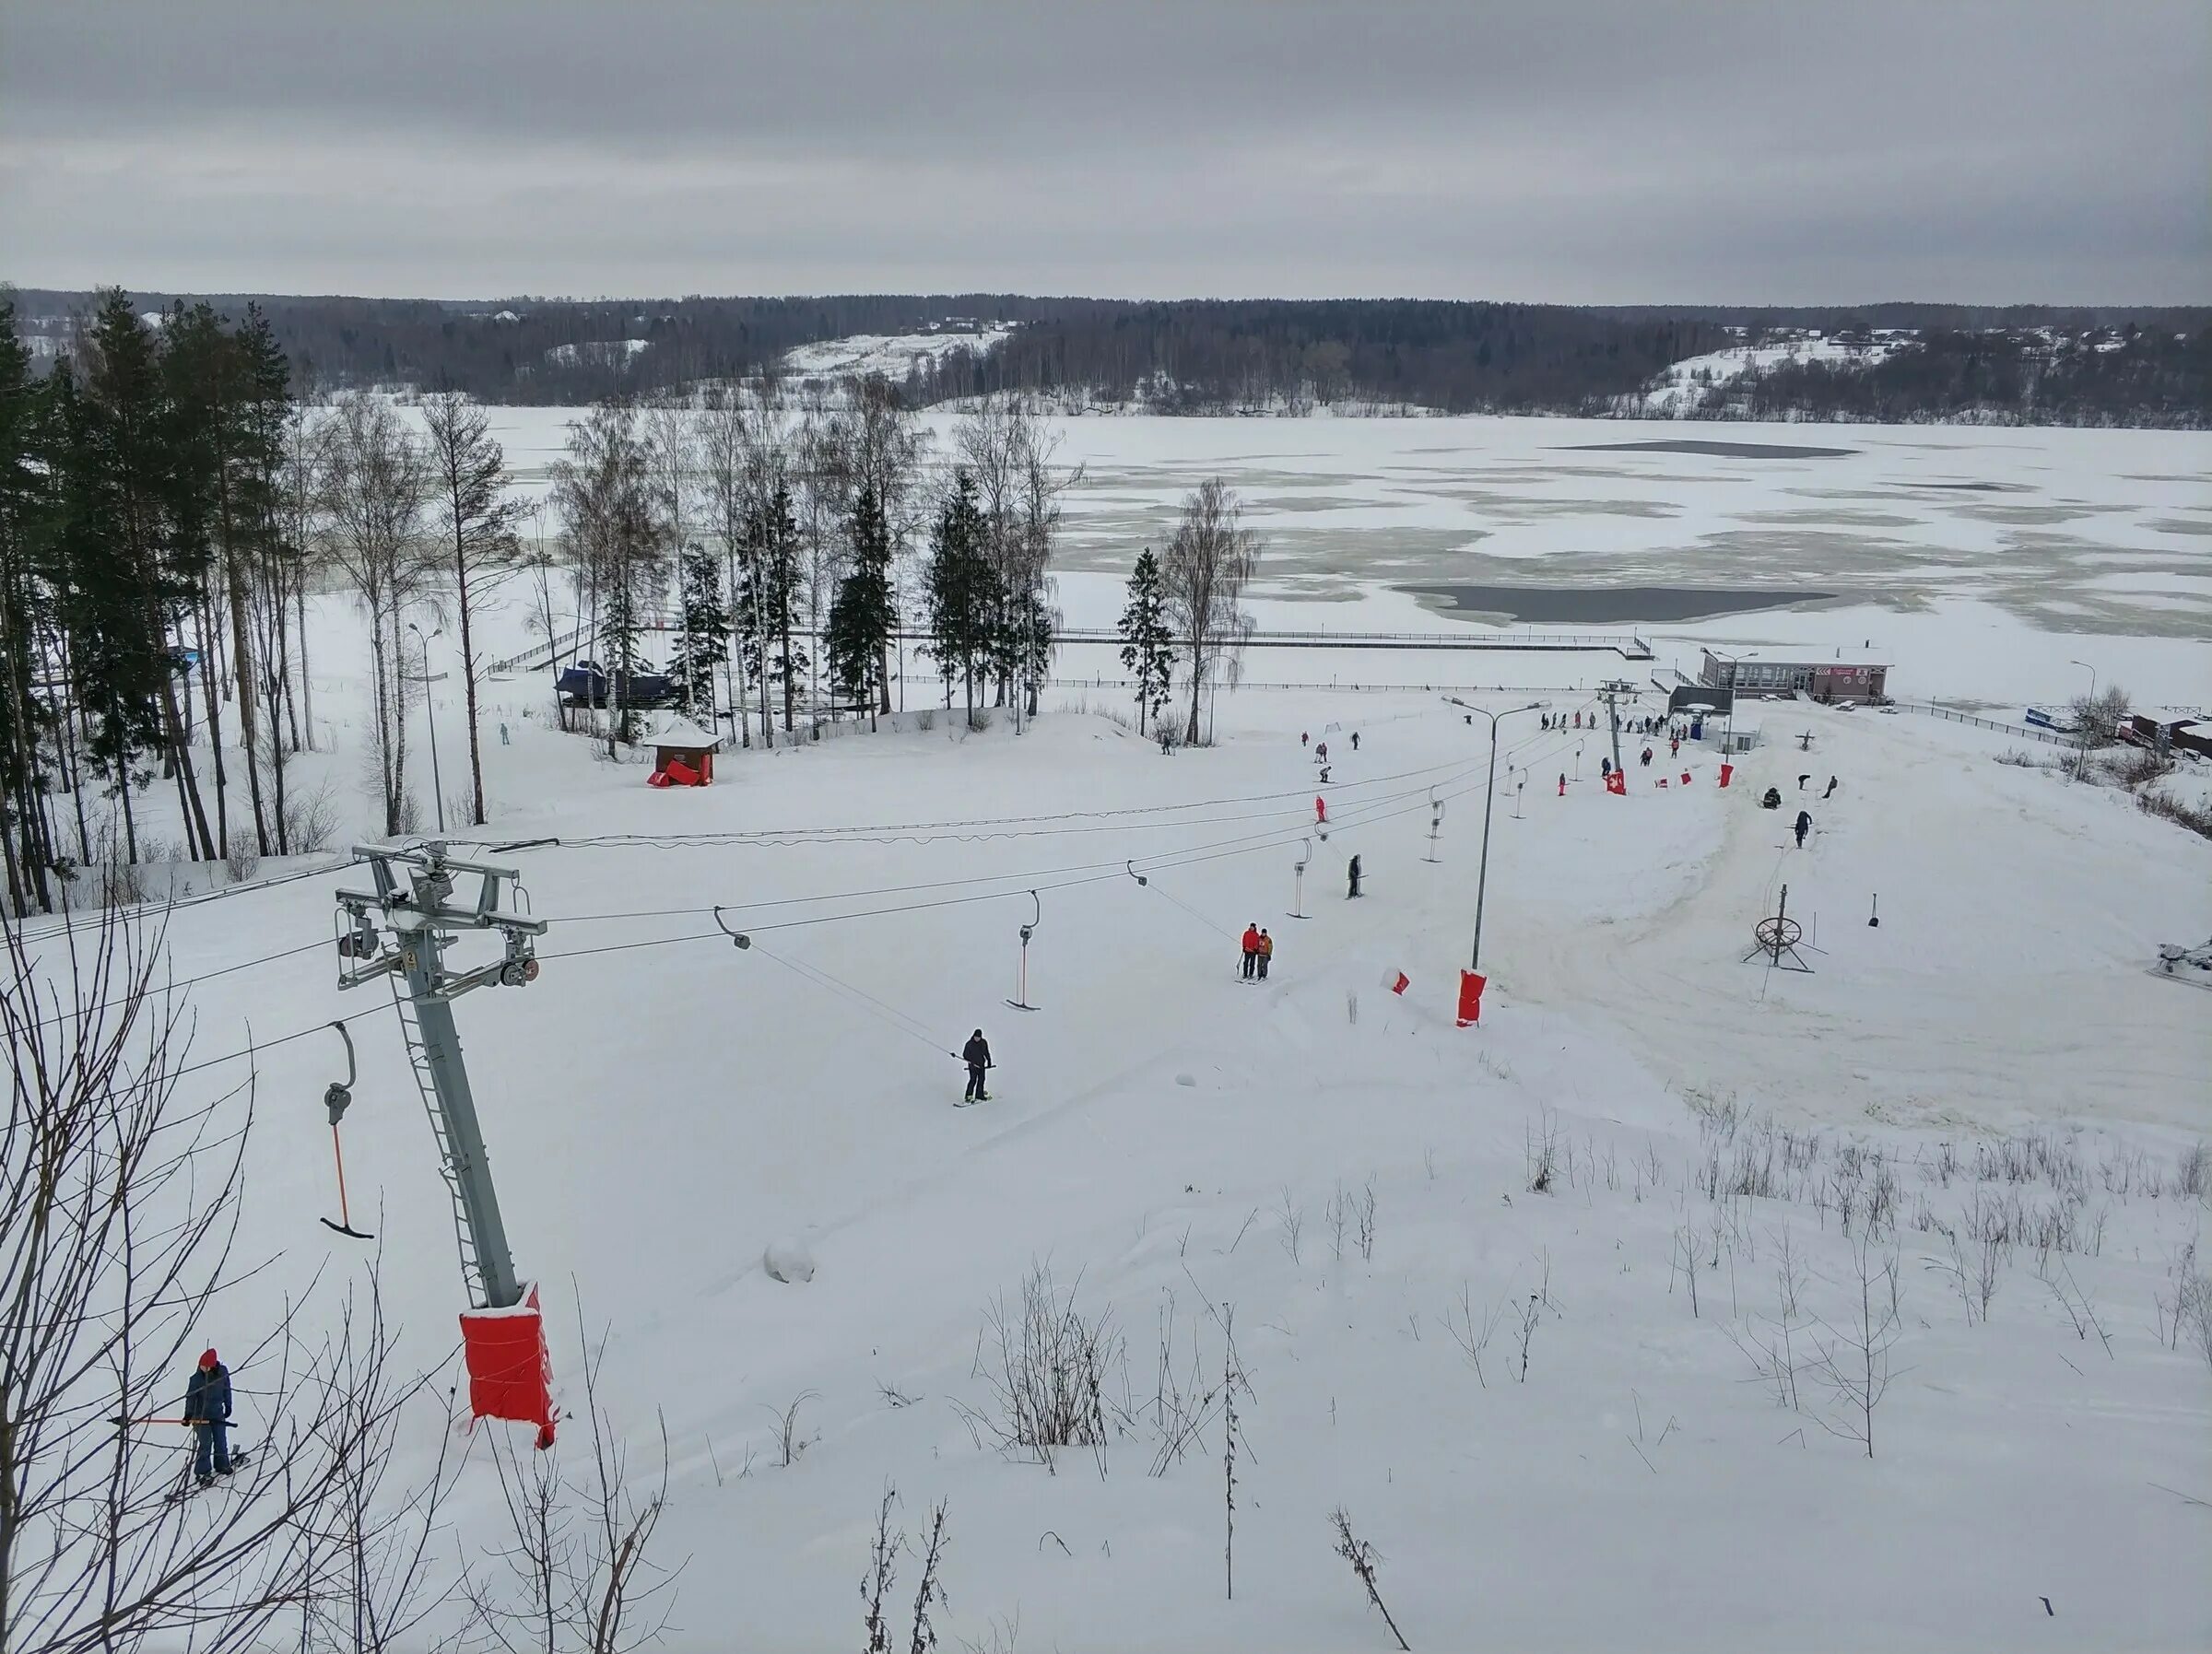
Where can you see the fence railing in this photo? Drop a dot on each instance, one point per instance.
(2025, 730)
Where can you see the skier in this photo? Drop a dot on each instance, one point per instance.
(503, 741)
(1562, 783)
(1578, 720)
(1321, 751)
(1321, 810)
(1352, 878)
(1301, 738)
(208, 1411)
(976, 1053)
(1804, 825)
(1831, 788)
(1647, 757)
(1673, 747)
(1604, 766)
(1355, 740)
(1251, 949)
(1266, 953)
(1801, 781)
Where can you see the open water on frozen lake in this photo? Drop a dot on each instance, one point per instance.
(1604, 606)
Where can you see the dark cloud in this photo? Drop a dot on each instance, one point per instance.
(1590, 151)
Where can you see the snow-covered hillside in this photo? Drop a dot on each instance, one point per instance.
(891, 354)
(1689, 384)
(1569, 1312)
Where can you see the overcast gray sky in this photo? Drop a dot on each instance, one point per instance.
(1605, 151)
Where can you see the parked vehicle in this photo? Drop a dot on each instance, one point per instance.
(586, 684)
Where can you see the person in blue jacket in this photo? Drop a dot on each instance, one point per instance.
(208, 1411)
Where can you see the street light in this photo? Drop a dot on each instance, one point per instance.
(430, 715)
(1490, 796)
(2092, 672)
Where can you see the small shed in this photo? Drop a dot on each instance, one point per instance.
(683, 755)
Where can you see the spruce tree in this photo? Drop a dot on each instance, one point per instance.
(963, 592)
(1148, 641)
(706, 632)
(27, 722)
(866, 611)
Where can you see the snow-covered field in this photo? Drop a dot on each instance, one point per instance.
(1684, 384)
(891, 354)
(1173, 1145)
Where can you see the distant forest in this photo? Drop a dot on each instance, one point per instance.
(2087, 366)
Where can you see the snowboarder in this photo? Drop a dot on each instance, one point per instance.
(1831, 788)
(1352, 878)
(1804, 825)
(208, 1411)
(1771, 799)
(1604, 766)
(1266, 953)
(976, 1053)
(1252, 950)
(1355, 740)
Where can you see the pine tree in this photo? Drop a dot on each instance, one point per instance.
(770, 590)
(1148, 641)
(963, 592)
(27, 722)
(706, 632)
(866, 611)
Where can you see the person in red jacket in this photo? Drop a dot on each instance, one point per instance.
(1251, 949)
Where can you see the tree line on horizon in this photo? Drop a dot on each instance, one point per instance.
(1250, 356)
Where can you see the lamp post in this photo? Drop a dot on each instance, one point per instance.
(430, 715)
(2092, 672)
(1489, 797)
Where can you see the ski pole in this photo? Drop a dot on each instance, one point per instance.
(123, 1423)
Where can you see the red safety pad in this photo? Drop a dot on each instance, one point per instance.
(509, 1370)
(1470, 998)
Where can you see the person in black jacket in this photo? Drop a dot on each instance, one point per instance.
(976, 1053)
(208, 1411)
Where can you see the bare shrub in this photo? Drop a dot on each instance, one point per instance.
(242, 862)
(926, 720)
(1048, 1383)
(1291, 1224)
(790, 1443)
(1540, 1153)
(1365, 1560)
(1853, 1360)
(2157, 800)
(1473, 1336)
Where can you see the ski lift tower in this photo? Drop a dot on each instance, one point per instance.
(400, 930)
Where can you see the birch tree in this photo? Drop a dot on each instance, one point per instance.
(470, 480)
(1210, 560)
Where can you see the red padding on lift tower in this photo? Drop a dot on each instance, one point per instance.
(510, 1372)
(1618, 782)
(1400, 982)
(1470, 998)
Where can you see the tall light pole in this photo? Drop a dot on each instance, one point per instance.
(429, 714)
(2092, 672)
(1489, 797)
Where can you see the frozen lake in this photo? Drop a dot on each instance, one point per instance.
(2095, 532)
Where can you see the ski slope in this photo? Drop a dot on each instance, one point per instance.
(1173, 1145)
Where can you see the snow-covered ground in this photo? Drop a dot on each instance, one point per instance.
(1173, 1144)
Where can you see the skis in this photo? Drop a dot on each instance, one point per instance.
(189, 1484)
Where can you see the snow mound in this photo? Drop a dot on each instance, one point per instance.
(1186, 1079)
(789, 1261)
